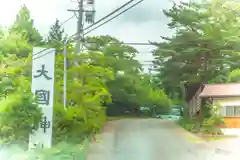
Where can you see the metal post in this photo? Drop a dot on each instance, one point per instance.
(65, 76)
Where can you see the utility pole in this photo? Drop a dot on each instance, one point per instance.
(79, 27)
(89, 18)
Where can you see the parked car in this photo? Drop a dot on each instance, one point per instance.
(145, 109)
(175, 114)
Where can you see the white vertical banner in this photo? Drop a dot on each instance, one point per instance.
(43, 68)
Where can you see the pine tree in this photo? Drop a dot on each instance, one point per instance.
(56, 36)
(24, 25)
(204, 46)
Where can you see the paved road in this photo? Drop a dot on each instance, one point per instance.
(151, 139)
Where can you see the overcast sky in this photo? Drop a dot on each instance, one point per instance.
(143, 23)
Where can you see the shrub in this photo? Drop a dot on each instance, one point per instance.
(76, 122)
(19, 117)
(189, 125)
(212, 122)
(210, 125)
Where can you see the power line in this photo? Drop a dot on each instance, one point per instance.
(114, 17)
(130, 43)
(109, 19)
(108, 15)
(80, 11)
(137, 44)
(139, 52)
(43, 54)
(67, 20)
(100, 26)
(64, 22)
(80, 32)
(95, 42)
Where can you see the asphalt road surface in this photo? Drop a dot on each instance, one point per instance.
(151, 139)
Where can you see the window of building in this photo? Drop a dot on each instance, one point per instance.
(229, 111)
(237, 111)
(232, 111)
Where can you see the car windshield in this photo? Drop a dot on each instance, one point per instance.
(176, 112)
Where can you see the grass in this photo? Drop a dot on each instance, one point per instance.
(61, 151)
(189, 126)
(194, 139)
(65, 151)
(217, 138)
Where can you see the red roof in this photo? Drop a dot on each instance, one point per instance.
(221, 90)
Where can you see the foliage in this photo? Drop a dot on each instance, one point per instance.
(17, 104)
(155, 99)
(56, 36)
(24, 25)
(210, 125)
(14, 43)
(213, 120)
(94, 86)
(22, 117)
(234, 76)
(130, 90)
(87, 93)
(204, 47)
(191, 125)
(62, 151)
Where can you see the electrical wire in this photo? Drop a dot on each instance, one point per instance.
(109, 43)
(40, 56)
(64, 22)
(67, 20)
(108, 15)
(135, 44)
(110, 19)
(100, 26)
(129, 43)
(114, 17)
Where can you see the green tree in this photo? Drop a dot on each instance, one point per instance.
(234, 76)
(24, 26)
(130, 90)
(14, 43)
(87, 93)
(56, 36)
(119, 57)
(87, 96)
(205, 45)
(151, 96)
(18, 107)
